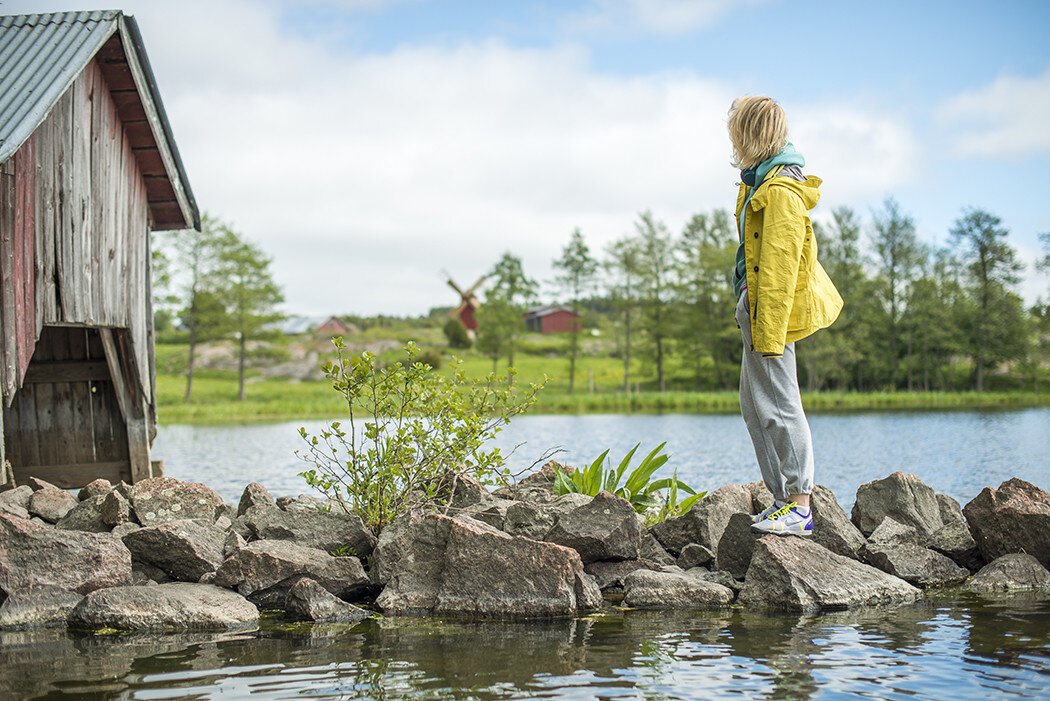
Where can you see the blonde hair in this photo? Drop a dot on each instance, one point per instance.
(758, 129)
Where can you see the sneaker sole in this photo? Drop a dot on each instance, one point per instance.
(804, 534)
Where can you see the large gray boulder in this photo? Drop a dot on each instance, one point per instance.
(95, 488)
(492, 511)
(904, 498)
(694, 555)
(890, 532)
(85, 516)
(705, 523)
(159, 499)
(266, 565)
(736, 546)
(831, 527)
(611, 574)
(51, 503)
(255, 495)
(18, 495)
(165, 607)
(673, 590)
(954, 541)
(797, 574)
(115, 509)
(606, 528)
(534, 520)
(329, 531)
(430, 563)
(652, 550)
(37, 607)
(306, 600)
(1012, 572)
(186, 550)
(1014, 518)
(915, 564)
(33, 555)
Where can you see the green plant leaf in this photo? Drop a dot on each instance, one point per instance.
(688, 502)
(622, 467)
(652, 462)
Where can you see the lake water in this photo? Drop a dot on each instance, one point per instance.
(949, 645)
(941, 648)
(957, 453)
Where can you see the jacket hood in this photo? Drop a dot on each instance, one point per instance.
(808, 191)
(785, 157)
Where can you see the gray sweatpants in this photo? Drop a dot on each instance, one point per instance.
(772, 407)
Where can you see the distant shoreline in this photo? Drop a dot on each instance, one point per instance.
(273, 402)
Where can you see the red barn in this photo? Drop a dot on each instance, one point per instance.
(88, 167)
(551, 320)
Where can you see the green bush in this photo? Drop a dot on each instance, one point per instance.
(644, 495)
(430, 357)
(456, 333)
(410, 434)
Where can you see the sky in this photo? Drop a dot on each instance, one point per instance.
(370, 145)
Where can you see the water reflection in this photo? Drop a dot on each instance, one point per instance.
(957, 453)
(933, 649)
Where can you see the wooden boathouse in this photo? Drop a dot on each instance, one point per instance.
(88, 168)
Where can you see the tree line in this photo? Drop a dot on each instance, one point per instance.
(915, 316)
(214, 284)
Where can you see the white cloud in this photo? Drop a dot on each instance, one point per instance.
(366, 175)
(859, 153)
(1006, 119)
(666, 17)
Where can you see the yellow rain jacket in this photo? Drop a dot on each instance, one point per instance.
(789, 293)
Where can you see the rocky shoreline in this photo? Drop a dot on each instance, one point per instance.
(167, 555)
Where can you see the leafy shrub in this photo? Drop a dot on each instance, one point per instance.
(410, 435)
(430, 357)
(456, 333)
(644, 495)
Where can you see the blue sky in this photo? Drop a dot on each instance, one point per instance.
(369, 144)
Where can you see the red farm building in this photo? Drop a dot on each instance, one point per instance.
(551, 320)
(88, 168)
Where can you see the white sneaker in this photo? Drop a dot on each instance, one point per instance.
(786, 521)
(777, 504)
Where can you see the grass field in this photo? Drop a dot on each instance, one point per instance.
(215, 400)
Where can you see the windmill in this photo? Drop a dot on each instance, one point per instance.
(468, 304)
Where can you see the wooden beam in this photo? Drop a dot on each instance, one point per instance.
(155, 124)
(132, 406)
(67, 371)
(73, 476)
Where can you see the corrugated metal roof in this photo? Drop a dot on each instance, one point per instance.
(40, 57)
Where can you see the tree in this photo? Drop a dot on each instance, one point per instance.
(577, 270)
(187, 261)
(252, 294)
(510, 287)
(993, 269)
(621, 265)
(705, 258)
(498, 323)
(655, 278)
(899, 255)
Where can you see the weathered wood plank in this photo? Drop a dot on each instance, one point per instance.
(28, 432)
(67, 371)
(83, 443)
(62, 397)
(25, 247)
(82, 202)
(132, 408)
(8, 279)
(72, 475)
(45, 230)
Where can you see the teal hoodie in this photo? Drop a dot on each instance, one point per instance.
(786, 156)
